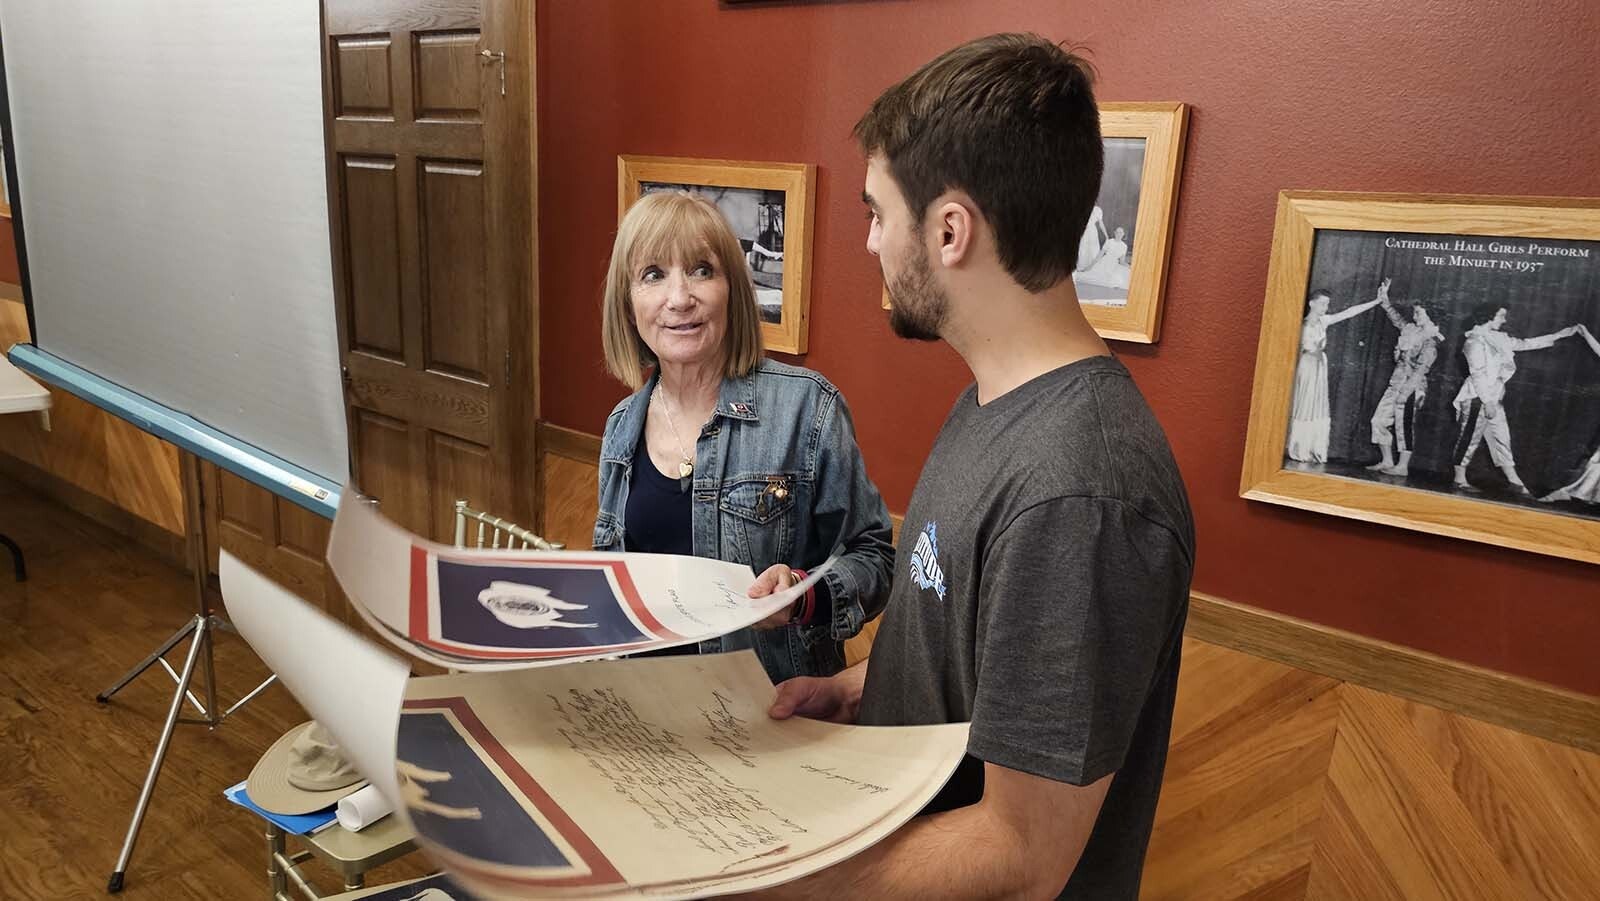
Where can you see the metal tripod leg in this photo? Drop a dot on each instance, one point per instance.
(203, 627)
(150, 661)
(199, 625)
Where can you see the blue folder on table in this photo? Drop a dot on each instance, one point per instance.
(296, 824)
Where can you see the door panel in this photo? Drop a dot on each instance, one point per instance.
(372, 245)
(382, 448)
(446, 70)
(462, 470)
(453, 264)
(361, 88)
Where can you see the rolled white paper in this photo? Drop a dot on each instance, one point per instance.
(361, 809)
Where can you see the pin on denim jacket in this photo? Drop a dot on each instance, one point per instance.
(778, 478)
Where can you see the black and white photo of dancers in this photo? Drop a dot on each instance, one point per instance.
(1105, 250)
(1464, 365)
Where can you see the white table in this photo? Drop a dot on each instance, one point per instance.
(21, 394)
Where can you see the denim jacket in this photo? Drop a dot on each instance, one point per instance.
(780, 427)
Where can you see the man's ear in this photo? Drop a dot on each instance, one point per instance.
(955, 224)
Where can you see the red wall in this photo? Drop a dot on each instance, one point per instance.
(1363, 95)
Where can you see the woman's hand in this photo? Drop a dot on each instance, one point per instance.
(776, 578)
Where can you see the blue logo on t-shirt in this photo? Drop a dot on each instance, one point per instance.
(925, 569)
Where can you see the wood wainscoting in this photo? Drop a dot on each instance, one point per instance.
(569, 485)
(1307, 762)
(90, 461)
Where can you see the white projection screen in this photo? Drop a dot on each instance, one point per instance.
(171, 171)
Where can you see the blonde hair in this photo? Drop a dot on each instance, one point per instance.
(675, 226)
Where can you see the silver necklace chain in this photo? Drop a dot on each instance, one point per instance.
(686, 467)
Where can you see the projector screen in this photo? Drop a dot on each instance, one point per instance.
(171, 173)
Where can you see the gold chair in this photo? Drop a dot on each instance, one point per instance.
(491, 529)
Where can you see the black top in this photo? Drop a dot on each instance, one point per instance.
(656, 521)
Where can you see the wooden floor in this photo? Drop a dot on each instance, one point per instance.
(1283, 784)
(1280, 784)
(70, 769)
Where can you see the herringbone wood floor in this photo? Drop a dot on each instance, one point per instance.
(1286, 785)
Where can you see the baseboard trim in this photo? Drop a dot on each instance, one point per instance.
(569, 443)
(1535, 708)
(168, 547)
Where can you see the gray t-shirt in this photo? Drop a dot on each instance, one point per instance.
(1041, 585)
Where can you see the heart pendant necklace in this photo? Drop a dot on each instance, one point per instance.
(685, 462)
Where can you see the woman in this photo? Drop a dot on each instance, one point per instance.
(722, 453)
(1309, 414)
(1586, 487)
(1107, 269)
(1089, 243)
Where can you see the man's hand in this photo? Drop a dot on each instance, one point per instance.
(1032, 831)
(835, 699)
(776, 578)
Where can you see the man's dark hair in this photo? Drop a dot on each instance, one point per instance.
(1010, 119)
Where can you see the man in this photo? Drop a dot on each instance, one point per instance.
(1395, 419)
(1480, 409)
(1043, 571)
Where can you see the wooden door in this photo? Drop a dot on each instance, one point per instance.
(430, 190)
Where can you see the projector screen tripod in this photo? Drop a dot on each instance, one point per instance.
(200, 630)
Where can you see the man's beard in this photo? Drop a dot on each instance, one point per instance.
(917, 306)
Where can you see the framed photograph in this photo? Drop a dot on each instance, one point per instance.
(1433, 363)
(1122, 255)
(769, 206)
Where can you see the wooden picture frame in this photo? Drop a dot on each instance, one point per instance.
(1520, 260)
(735, 185)
(1160, 130)
(1153, 135)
